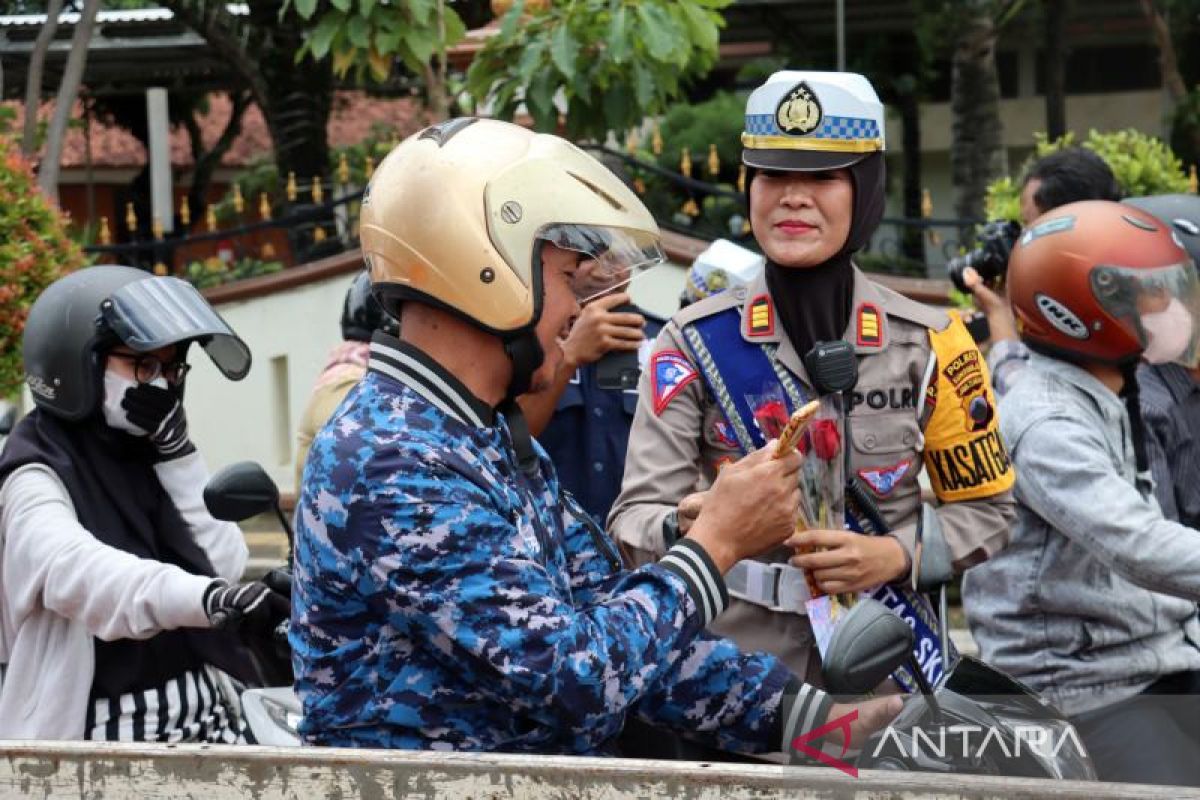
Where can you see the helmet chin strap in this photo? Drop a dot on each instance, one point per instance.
(1133, 406)
(525, 352)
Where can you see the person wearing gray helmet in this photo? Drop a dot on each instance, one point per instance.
(114, 578)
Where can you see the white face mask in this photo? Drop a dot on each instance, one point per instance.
(115, 387)
(1170, 332)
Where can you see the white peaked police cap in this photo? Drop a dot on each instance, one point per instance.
(802, 120)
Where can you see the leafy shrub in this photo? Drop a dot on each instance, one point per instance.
(215, 272)
(35, 250)
(1142, 164)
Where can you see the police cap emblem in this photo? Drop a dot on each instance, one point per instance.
(799, 112)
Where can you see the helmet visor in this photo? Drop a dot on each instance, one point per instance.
(157, 312)
(614, 256)
(1161, 306)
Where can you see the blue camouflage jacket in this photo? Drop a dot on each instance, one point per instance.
(444, 599)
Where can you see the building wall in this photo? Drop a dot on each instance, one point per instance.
(290, 334)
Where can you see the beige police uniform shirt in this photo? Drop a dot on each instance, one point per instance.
(676, 447)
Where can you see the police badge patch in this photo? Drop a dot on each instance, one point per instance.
(799, 112)
(883, 480)
(670, 372)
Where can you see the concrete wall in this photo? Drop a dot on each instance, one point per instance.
(290, 333)
(102, 771)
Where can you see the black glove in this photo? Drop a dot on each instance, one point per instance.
(254, 609)
(159, 411)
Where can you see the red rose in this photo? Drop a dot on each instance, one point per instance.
(826, 441)
(772, 418)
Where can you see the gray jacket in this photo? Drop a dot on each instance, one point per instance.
(1095, 596)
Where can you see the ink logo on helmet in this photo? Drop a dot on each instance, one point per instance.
(1061, 317)
(799, 112)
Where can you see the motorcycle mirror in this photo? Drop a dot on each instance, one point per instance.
(868, 645)
(239, 492)
(936, 566)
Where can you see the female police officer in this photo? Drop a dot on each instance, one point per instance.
(813, 148)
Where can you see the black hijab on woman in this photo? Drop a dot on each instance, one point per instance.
(813, 303)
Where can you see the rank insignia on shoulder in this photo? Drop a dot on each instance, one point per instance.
(762, 316)
(670, 373)
(883, 480)
(869, 334)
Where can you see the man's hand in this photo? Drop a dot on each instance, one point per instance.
(873, 714)
(993, 305)
(750, 508)
(849, 562)
(688, 511)
(599, 330)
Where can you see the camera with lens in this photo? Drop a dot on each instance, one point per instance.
(990, 257)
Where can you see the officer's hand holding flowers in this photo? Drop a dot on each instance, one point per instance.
(849, 562)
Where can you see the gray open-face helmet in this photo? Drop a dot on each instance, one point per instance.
(80, 316)
(1181, 212)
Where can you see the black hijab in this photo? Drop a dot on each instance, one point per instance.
(813, 303)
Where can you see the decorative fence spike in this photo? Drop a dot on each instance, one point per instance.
(104, 235)
(639, 185)
(741, 181)
(210, 219)
(160, 268)
(369, 167)
(714, 161)
(1193, 183)
(343, 170)
(318, 193)
(656, 143)
(291, 187)
(268, 251)
(926, 204)
(185, 212)
(631, 142)
(239, 202)
(156, 228)
(131, 220)
(690, 208)
(264, 206)
(318, 234)
(685, 163)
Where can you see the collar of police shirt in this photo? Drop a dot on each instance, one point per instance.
(869, 297)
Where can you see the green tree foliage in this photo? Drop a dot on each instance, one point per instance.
(1142, 164)
(34, 251)
(610, 62)
(365, 36)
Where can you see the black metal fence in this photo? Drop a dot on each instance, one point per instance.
(680, 203)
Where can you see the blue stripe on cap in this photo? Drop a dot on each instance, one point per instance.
(831, 127)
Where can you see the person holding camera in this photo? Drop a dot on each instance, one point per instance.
(1093, 603)
(1065, 176)
(813, 149)
(583, 418)
(1170, 393)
